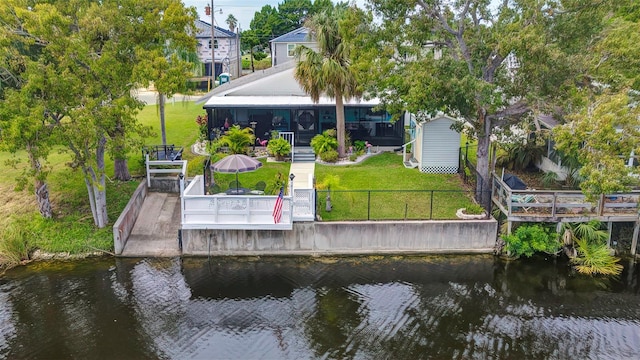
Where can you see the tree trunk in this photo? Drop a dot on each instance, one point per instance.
(483, 185)
(253, 69)
(121, 169)
(95, 183)
(41, 187)
(42, 197)
(340, 124)
(161, 108)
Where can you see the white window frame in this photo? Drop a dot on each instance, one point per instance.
(291, 50)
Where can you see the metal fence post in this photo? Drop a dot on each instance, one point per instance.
(431, 207)
(369, 205)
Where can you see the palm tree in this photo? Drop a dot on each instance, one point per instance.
(232, 22)
(327, 70)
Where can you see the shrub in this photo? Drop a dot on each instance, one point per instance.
(202, 126)
(237, 139)
(279, 148)
(353, 157)
(359, 145)
(474, 209)
(528, 239)
(324, 142)
(259, 55)
(595, 259)
(329, 156)
(17, 241)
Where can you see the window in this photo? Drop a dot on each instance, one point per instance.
(215, 44)
(291, 50)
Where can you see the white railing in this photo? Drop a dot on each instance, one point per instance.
(238, 212)
(289, 136)
(304, 205)
(176, 167)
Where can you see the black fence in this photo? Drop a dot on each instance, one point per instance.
(162, 152)
(391, 204)
(469, 173)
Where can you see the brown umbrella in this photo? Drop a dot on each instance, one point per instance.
(236, 163)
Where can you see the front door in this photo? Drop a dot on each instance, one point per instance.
(305, 126)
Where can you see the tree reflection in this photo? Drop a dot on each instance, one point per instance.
(337, 316)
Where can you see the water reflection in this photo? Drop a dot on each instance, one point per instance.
(280, 308)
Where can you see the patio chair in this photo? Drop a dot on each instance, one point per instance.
(524, 199)
(259, 188)
(235, 185)
(214, 189)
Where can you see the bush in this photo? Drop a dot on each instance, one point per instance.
(259, 55)
(353, 157)
(279, 148)
(474, 209)
(595, 259)
(324, 142)
(17, 241)
(329, 156)
(529, 239)
(359, 145)
(238, 140)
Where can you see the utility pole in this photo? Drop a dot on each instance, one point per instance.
(211, 11)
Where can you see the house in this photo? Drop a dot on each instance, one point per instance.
(272, 100)
(283, 47)
(226, 46)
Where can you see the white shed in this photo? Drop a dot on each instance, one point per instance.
(437, 146)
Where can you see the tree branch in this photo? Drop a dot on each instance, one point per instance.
(511, 112)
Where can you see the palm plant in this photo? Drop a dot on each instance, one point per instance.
(591, 255)
(232, 22)
(327, 70)
(237, 140)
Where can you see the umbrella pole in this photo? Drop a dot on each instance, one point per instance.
(237, 185)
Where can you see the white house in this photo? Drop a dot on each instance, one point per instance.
(227, 50)
(283, 47)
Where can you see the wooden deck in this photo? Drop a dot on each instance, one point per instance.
(563, 206)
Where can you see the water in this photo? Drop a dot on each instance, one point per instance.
(460, 307)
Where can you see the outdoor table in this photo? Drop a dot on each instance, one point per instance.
(237, 191)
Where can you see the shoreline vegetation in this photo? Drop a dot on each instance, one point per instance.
(70, 234)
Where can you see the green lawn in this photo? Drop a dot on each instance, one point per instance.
(381, 188)
(72, 228)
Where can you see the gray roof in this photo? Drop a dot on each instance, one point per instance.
(204, 31)
(299, 35)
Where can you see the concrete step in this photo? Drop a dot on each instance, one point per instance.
(303, 157)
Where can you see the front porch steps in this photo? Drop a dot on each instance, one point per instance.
(303, 154)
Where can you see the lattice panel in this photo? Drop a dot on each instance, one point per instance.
(443, 169)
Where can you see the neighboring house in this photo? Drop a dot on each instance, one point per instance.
(283, 47)
(273, 100)
(226, 46)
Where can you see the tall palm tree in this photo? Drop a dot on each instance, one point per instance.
(232, 22)
(327, 71)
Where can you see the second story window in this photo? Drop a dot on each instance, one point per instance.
(215, 44)
(291, 50)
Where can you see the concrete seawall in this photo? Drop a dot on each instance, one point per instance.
(337, 238)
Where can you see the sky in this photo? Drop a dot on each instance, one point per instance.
(243, 10)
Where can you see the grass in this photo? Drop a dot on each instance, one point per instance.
(72, 230)
(397, 192)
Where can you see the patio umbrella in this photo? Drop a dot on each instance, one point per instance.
(236, 163)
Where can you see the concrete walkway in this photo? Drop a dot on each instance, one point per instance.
(304, 172)
(155, 233)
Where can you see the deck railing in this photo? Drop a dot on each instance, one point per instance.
(165, 167)
(238, 212)
(556, 204)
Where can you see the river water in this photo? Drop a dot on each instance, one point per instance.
(440, 307)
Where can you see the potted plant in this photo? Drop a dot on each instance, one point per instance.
(474, 211)
(279, 148)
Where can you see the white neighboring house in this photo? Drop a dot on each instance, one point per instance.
(226, 46)
(283, 47)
